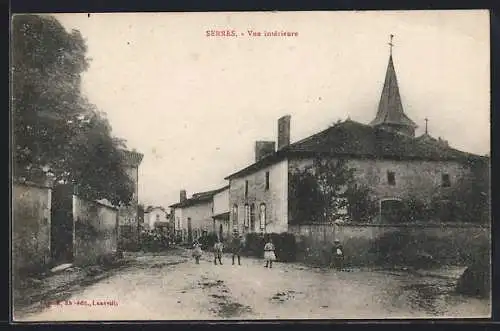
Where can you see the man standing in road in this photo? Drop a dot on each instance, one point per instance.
(218, 248)
(237, 247)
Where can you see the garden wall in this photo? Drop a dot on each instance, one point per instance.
(401, 244)
(96, 230)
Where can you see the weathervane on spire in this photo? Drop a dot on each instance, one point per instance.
(390, 43)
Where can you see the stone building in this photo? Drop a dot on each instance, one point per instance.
(386, 156)
(128, 217)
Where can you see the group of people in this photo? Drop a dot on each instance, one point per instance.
(236, 248)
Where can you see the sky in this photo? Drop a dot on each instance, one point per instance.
(195, 105)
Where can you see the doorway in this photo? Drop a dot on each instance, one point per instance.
(391, 210)
(62, 224)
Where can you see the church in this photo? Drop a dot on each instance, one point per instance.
(386, 154)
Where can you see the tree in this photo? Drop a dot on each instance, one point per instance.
(470, 198)
(361, 206)
(56, 130)
(334, 177)
(323, 191)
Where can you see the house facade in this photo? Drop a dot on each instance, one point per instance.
(194, 216)
(221, 225)
(385, 155)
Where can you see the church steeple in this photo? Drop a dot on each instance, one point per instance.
(390, 114)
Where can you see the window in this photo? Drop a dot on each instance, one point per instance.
(267, 180)
(252, 217)
(235, 216)
(262, 216)
(445, 180)
(246, 189)
(391, 178)
(157, 217)
(247, 215)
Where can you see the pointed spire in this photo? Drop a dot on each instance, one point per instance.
(390, 109)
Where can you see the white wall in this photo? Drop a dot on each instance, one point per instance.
(221, 202)
(151, 217)
(275, 198)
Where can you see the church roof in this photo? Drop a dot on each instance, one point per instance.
(390, 108)
(357, 139)
(352, 139)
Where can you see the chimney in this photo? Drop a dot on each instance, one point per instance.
(183, 196)
(263, 149)
(284, 131)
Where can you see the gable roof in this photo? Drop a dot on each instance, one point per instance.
(200, 197)
(390, 109)
(356, 140)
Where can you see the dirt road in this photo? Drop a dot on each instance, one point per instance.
(172, 287)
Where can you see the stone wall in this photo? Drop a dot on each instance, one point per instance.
(275, 198)
(30, 226)
(364, 244)
(96, 230)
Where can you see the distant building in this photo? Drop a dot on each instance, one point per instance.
(155, 216)
(193, 217)
(386, 156)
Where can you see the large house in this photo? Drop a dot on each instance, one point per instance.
(199, 214)
(386, 156)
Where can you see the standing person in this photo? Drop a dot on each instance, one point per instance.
(218, 248)
(338, 255)
(269, 255)
(197, 251)
(237, 247)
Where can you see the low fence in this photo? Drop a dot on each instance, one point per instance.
(31, 218)
(379, 244)
(96, 230)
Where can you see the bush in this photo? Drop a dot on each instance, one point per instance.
(286, 246)
(207, 242)
(476, 279)
(153, 240)
(284, 243)
(254, 245)
(422, 250)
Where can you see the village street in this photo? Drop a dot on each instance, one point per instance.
(172, 287)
